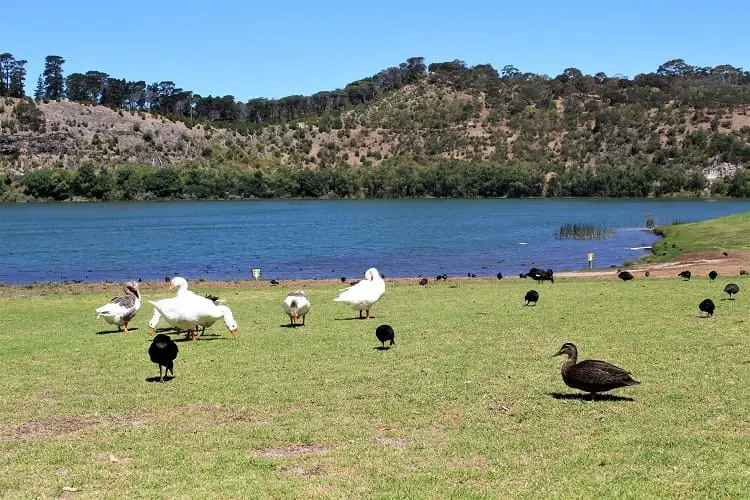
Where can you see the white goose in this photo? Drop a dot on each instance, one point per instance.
(181, 285)
(120, 310)
(364, 294)
(188, 312)
(296, 306)
(154, 322)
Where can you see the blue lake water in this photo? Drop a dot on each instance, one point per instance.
(323, 238)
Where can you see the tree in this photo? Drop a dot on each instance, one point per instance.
(7, 62)
(84, 181)
(76, 88)
(509, 72)
(97, 84)
(54, 84)
(39, 90)
(572, 73)
(18, 79)
(48, 183)
(674, 68)
(114, 93)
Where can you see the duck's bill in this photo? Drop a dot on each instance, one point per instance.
(234, 333)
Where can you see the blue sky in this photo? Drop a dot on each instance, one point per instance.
(274, 49)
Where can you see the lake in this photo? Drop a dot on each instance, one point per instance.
(323, 239)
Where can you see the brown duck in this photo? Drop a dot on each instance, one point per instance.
(591, 375)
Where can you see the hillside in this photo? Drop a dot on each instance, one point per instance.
(573, 136)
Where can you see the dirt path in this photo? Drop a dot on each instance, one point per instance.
(699, 264)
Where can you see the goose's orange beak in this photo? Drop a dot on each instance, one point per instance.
(171, 285)
(150, 330)
(234, 333)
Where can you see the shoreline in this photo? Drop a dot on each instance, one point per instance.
(699, 263)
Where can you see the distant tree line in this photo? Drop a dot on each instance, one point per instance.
(508, 91)
(165, 98)
(598, 135)
(448, 179)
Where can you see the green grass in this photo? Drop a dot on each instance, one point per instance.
(725, 233)
(462, 407)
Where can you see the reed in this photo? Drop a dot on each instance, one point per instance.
(577, 231)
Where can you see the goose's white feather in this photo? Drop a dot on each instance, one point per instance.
(365, 293)
(296, 305)
(188, 311)
(120, 310)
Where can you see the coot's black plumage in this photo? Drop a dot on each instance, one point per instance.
(499, 276)
(731, 289)
(685, 274)
(163, 352)
(592, 375)
(625, 275)
(385, 333)
(423, 281)
(707, 306)
(712, 275)
(531, 296)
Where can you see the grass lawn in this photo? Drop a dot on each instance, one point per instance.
(725, 233)
(468, 404)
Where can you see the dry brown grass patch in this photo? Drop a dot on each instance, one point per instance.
(59, 425)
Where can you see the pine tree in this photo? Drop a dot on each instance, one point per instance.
(18, 79)
(54, 84)
(7, 61)
(39, 91)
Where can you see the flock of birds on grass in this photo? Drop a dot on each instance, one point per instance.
(706, 306)
(194, 313)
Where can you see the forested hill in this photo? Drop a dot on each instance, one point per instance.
(443, 130)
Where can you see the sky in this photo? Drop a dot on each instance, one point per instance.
(251, 49)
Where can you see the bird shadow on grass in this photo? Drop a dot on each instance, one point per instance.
(587, 397)
(381, 348)
(107, 332)
(355, 318)
(289, 325)
(156, 379)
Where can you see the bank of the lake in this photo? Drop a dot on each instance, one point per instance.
(325, 239)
